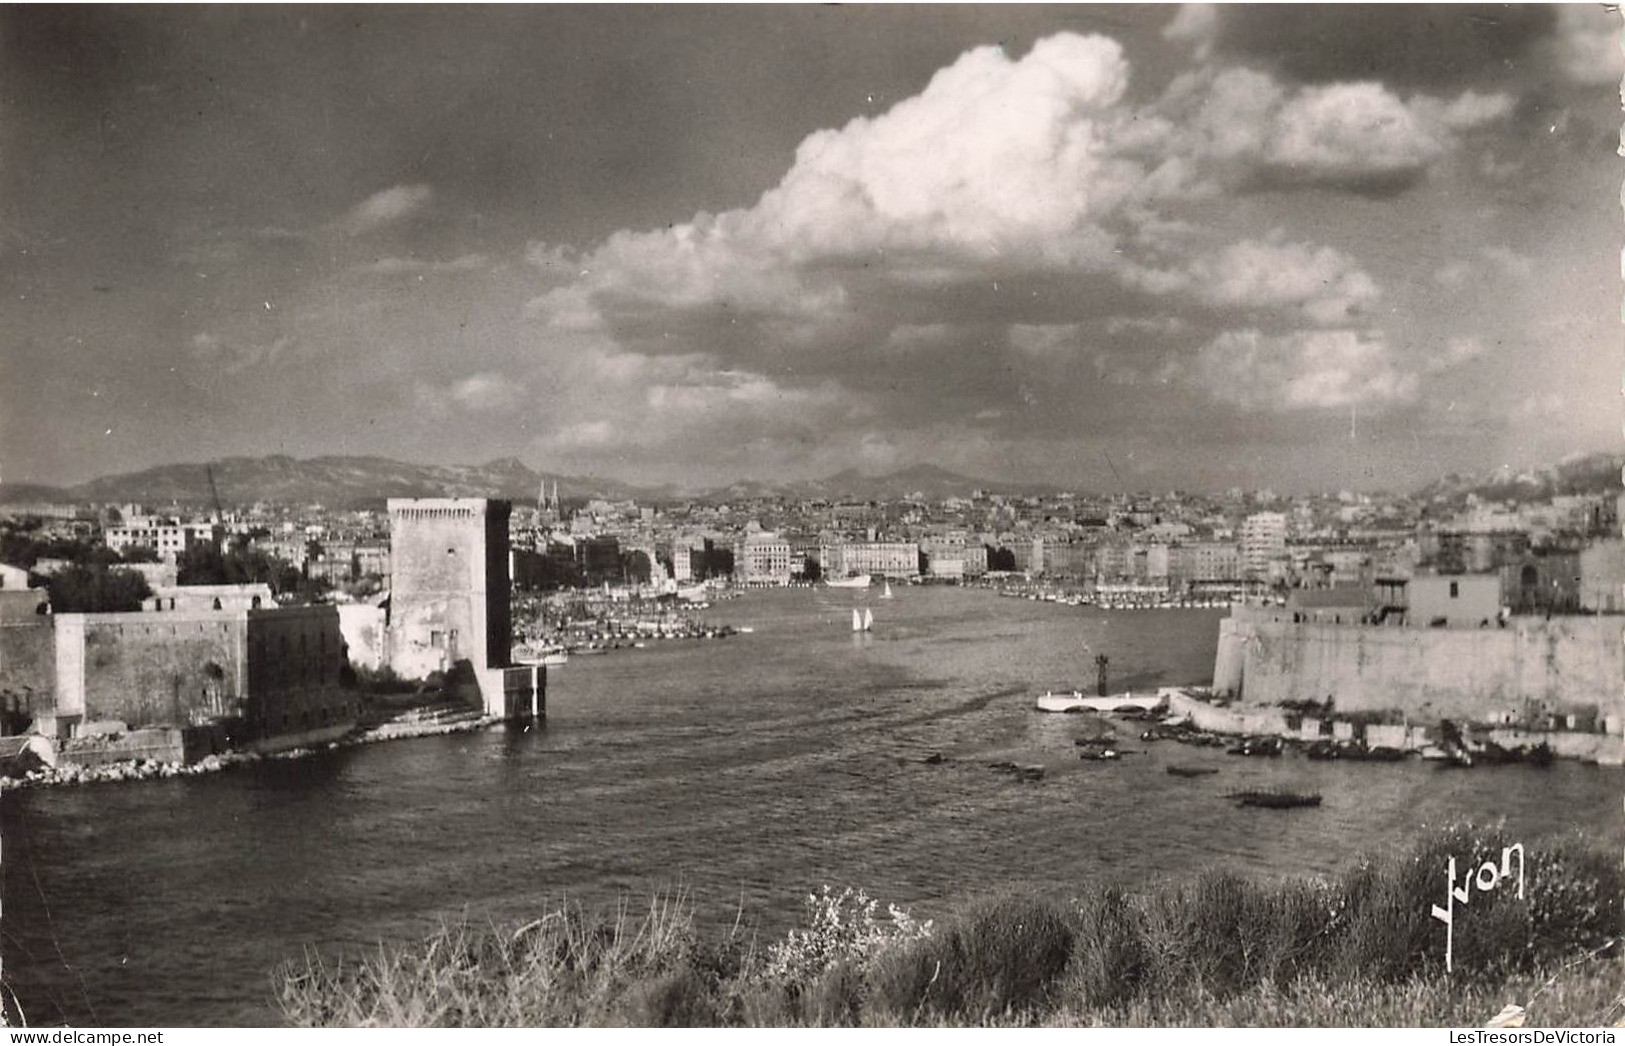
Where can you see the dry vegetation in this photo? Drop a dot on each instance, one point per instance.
(1361, 950)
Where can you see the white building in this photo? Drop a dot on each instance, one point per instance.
(1263, 540)
(763, 558)
(881, 558)
(166, 537)
(682, 561)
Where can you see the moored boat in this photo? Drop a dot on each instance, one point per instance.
(1275, 800)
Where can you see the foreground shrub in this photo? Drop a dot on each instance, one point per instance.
(1000, 958)
(1359, 949)
(841, 928)
(1385, 929)
(567, 968)
(1113, 954)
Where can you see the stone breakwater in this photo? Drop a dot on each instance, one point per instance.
(411, 724)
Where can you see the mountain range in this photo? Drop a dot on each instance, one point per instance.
(366, 482)
(1581, 474)
(338, 482)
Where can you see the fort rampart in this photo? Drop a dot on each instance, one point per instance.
(1529, 671)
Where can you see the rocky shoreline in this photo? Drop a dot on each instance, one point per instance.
(411, 724)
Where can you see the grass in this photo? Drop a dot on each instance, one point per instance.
(1357, 950)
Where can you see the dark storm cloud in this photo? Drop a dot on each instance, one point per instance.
(1425, 47)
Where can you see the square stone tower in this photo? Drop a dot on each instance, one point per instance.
(449, 590)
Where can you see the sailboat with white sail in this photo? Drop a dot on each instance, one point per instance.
(863, 621)
(887, 593)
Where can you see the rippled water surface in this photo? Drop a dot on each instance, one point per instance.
(748, 770)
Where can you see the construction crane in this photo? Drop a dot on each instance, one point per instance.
(214, 492)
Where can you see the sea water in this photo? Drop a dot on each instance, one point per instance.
(746, 771)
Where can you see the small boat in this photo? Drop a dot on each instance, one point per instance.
(1098, 753)
(1256, 746)
(550, 656)
(1275, 800)
(746, 630)
(1192, 771)
(1538, 755)
(886, 594)
(864, 621)
(1028, 772)
(1322, 750)
(861, 581)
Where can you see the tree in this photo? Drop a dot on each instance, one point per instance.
(635, 564)
(208, 565)
(81, 589)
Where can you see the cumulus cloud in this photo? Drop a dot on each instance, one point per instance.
(708, 261)
(1022, 165)
(1196, 25)
(1359, 136)
(999, 161)
(1305, 369)
(966, 244)
(386, 207)
(483, 392)
(1322, 284)
(995, 155)
(621, 402)
(1357, 127)
(1586, 44)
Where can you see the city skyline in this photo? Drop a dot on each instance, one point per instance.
(1105, 247)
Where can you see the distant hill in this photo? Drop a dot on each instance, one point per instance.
(1586, 474)
(354, 482)
(344, 482)
(334, 482)
(929, 482)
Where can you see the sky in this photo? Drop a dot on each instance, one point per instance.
(1112, 248)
